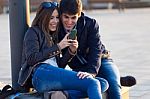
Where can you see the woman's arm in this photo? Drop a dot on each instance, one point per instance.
(36, 49)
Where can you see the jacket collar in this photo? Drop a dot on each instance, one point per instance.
(81, 22)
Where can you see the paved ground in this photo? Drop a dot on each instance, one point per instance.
(125, 34)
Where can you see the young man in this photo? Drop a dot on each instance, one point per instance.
(91, 57)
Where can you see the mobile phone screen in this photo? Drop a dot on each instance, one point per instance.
(73, 34)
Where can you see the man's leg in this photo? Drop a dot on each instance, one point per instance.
(110, 72)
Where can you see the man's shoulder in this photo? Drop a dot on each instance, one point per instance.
(87, 19)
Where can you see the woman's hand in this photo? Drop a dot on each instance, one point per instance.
(83, 75)
(65, 42)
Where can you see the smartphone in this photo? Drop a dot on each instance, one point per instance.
(73, 34)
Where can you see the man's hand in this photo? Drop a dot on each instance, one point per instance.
(83, 75)
(73, 46)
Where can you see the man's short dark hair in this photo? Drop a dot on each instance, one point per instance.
(71, 7)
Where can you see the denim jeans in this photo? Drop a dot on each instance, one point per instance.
(47, 78)
(108, 71)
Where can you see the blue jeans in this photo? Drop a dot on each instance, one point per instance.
(47, 78)
(108, 71)
(75, 94)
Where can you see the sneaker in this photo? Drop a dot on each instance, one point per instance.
(127, 81)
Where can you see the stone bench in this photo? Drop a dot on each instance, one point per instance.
(124, 93)
(35, 95)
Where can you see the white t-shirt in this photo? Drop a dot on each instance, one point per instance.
(51, 61)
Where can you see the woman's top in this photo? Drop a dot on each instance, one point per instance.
(51, 61)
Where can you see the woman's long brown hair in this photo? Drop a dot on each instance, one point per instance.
(41, 20)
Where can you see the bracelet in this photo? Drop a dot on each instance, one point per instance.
(59, 48)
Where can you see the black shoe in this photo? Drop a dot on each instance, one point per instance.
(127, 81)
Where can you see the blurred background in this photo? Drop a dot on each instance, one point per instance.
(88, 4)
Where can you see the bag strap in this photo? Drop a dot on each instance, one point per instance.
(5, 88)
(6, 91)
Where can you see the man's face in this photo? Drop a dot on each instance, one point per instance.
(69, 21)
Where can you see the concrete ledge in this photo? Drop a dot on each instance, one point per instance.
(125, 92)
(35, 95)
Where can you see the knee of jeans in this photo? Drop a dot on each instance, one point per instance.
(94, 82)
(104, 85)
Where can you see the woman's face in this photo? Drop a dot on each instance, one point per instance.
(53, 23)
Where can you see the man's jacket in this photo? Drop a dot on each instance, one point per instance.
(88, 55)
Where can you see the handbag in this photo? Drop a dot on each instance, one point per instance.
(7, 91)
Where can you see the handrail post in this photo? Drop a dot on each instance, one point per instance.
(19, 18)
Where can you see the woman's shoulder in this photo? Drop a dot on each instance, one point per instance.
(35, 28)
(33, 32)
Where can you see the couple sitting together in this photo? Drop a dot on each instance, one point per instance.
(62, 35)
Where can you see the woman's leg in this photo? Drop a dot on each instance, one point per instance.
(76, 94)
(110, 72)
(104, 84)
(47, 78)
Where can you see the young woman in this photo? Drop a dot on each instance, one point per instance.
(41, 57)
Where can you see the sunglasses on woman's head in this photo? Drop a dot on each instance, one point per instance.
(49, 4)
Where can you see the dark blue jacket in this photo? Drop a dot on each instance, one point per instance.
(88, 56)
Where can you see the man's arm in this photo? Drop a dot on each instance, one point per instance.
(94, 44)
